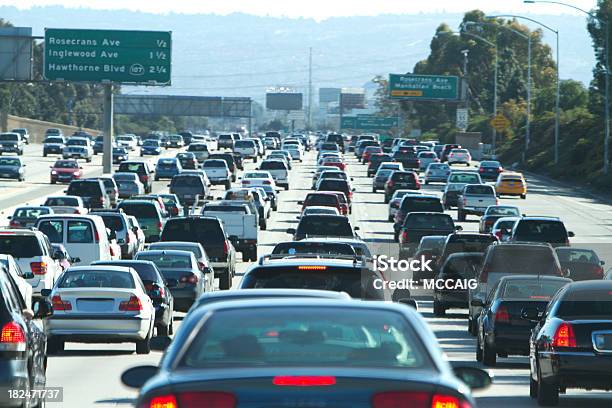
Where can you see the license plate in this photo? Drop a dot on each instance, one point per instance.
(480, 208)
(188, 196)
(5, 175)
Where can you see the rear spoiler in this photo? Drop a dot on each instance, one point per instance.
(356, 258)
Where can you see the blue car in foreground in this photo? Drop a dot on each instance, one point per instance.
(150, 147)
(304, 352)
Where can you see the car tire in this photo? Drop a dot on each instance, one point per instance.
(374, 190)
(390, 218)
(386, 199)
(460, 215)
(228, 185)
(287, 187)
(489, 356)
(438, 310)
(478, 349)
(533, 387)
(225, 281)
(44, 154)
(263, 225)
(54, 346)
(144, 346)
(163, 330)
(88, 160)
(548, 394)
(523, 196)
(53, 181)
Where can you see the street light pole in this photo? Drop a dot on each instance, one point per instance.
(607, 73)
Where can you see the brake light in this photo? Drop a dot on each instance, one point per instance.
(144, 178)
(481, 170)
(498, 234)
(564, 336)
(191, 278)
(194, 399)
(132, 305)
(58, 304)
(267, 182)
(502, 316)
(312, 267)
(304, 380)
(598, 270)
(14, 224)
(12, 333)
(96, 236)
(128, 238)
(403, 399)
(112, 250)
(159, 225)
(404, 236)
(201, 266)
(38, 268)
(225, 247)
(390, 183)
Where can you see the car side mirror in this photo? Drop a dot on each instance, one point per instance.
(135, 230)
(477, 302)
(458, 228)
(571, 234)
(9, 217)
(300, 202)
(57, 255)
(81, 167)
(75, 260)
(42, 308)
(356, 228)
(291, 231)
(45, 292)
(602, 262)
(136, 377)
(475, 378)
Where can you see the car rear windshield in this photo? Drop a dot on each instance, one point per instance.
(531, 289)
(30, 212)
(62, 201)
(54, 140)
(214, 164)
(273, 165)
(9, 162)
(132, 167)
(400, 176)
(66, 164)
(96, 279)
(113, 222)
(421, 204)
(577, 255)
(84, 188)
(197, 148)
(226, 208)
(245, 143)
(20, 246)
(140, 210)
(520, 260)
(321, 199)
(468, 243)
(187, 181)
(464, 178)
(311, 336)
(586, 303)
(328, 248)
(204, 231)
(503, 211)
(325, 225)
(165, 261)
(429, 221)
(462, 267)
(541, 231)
(145, 271)
(480, 190)
(194, 249)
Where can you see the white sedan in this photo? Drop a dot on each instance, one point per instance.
(100, 304)
(258, 178)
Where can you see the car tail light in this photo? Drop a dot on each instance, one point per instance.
(394, 204)
(404, 236)
(174, 210)
(144, 179)
(195, 399)
(132, 305)
(201, 266)
(225, 247)
(499, 234)
(564, 336)
(304, 380)
(128, 238)
(481, 170)
(246, 182)
(416, 399)
(14, 224)
(159, 225)
(96, 236)
(497, 201)
(502, 316)
(59, 304)
(390, 183)
(267, 182)
(598, 270)
(191, 278)
(484, 274)
(12, 337)
(38, 268)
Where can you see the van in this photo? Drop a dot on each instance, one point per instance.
(84, 236)
(506, 259)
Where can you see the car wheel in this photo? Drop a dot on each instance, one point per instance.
(163, 330)
(460, 215)
(523, 196)
(144, 346)
(156, 178)
(264, 225)
(88, 160)
(54, 346)
(533, 387)
(489, 356)
(438, 310)
(374, 190)
(390, 218)
(44, 154)
(53, 181)
(548, 394)
(228, 185)
(478, 349)
(225, 281)
(386, 199)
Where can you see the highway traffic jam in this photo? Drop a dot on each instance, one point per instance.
(294, 270)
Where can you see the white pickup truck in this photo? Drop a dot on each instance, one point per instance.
(239, 223)
(474, 199)
(217, 172)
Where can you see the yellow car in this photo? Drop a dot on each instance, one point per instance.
(511, 184)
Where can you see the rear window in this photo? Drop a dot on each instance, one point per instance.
(245, 143)
(521, 260)
(328, 248)
(462, 267)
(146, 272)
(198, 148)
(273, 165)
(577, 255)
(132, 167)
(204, 231)
(84, 188)
(30, 212)
(140, 210)
(531, 289)
(325, 225)
(421, 204)
(464, 178)
(66, 164)
(96, 279)
(400, 176)
(333, 185)
(20, 246)
(429, 221)
(54, 140)
(166, 162)
(13, 137)
(214, 164)
(503, 211)
(195, 250)
(586, 303)
(540, 231)
(62, 201)
(165, 261)
(468, 243)
(114, 223)
(321, 199)
(306, 337)
(355, 281)
(480, 190)
(226, 208)
(187, 181)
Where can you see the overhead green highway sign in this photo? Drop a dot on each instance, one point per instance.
(369, 122)
(423, 87)
(117, 56)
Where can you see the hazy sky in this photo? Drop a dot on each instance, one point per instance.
(318, 9)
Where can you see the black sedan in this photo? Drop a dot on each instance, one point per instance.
(304, 352)
(456, 271)
(490, 169)
(501, 329)
(571, 344)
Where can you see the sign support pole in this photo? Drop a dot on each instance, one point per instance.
(107, 159)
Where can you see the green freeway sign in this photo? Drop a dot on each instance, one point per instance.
(108, 56)
(369, 122)
(423, 87)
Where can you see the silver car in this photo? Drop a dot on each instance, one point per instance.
(437, 172)
(427, 157)
(128, 184)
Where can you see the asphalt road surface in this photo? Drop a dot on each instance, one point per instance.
(90, 373)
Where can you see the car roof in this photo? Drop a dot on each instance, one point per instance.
(100, 268)
(534, 277)
(174, 243)
(267, 293)
(540, 218)
(176, 252)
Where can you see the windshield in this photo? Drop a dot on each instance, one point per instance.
(532, 289)
(10, 162)
(165, 260)
(20, 246)
(66, 164)
(325, 225)
(96, 279)
(464, 178)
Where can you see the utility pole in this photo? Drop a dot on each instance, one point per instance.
(309, 117)
(341, 108)
(107, 159)
(466, 85)
(527, 131)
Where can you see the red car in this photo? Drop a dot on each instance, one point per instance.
(368, 152)
(65, 171)
(335, 162)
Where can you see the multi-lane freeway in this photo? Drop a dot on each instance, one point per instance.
(90, 373)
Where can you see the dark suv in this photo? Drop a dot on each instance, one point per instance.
(401, 180)
(92, 191)
(209, 232)
(323, 225)
(145, 173)
(415, 203)
(541, 229)
(420, 224)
